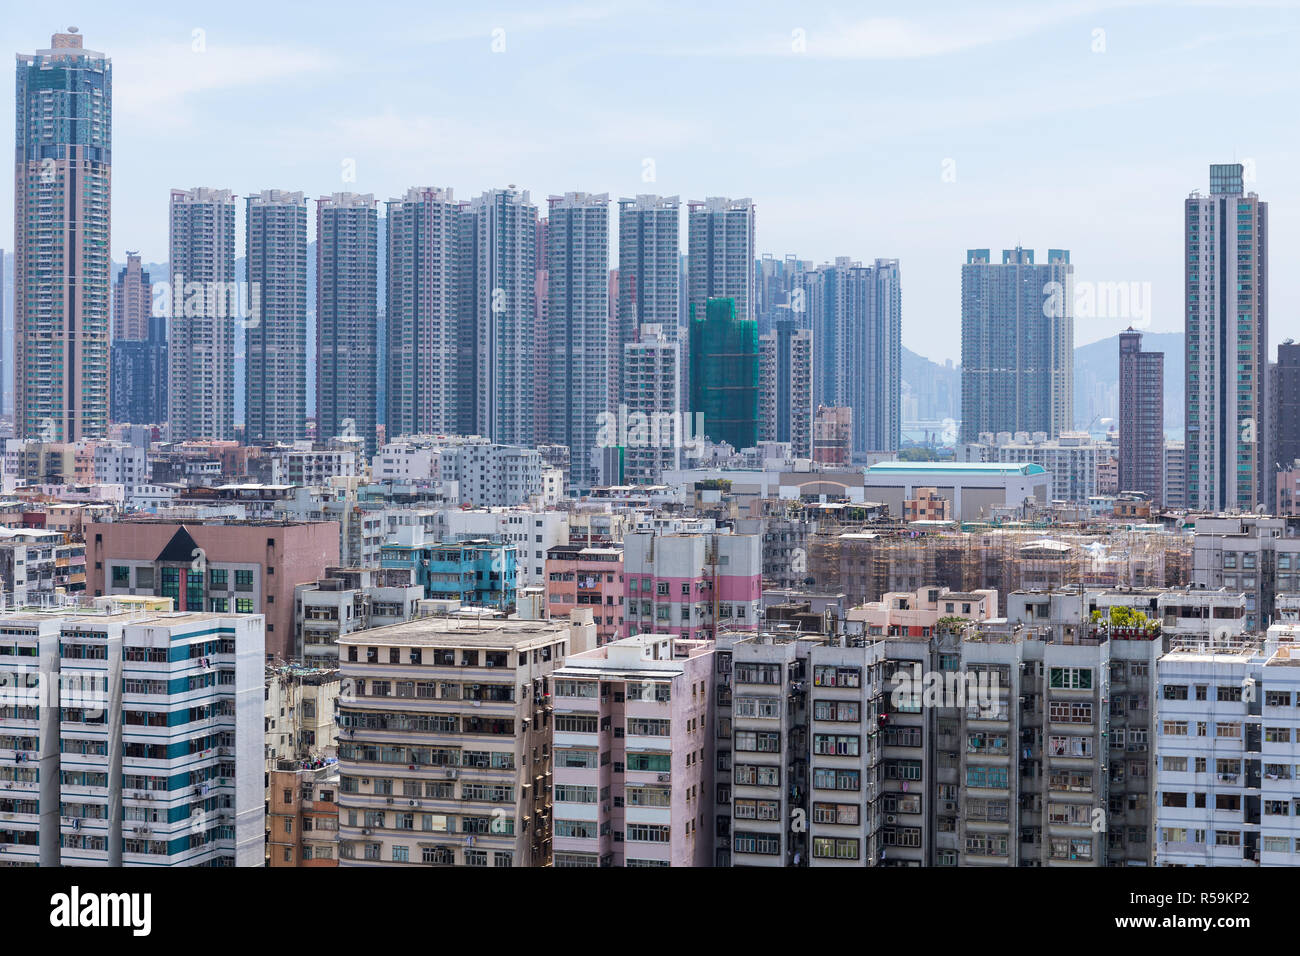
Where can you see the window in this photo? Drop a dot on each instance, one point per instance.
(1071, 678)
(842, 745)
(654, 762)
(843, 711)
(575, 723)
(758, 742)
(648, 833)
(757, 843)
(835, 848)
(648, 727)
(836, 813)
(829, 675)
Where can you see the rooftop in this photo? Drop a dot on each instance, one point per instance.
(460, 632)
(955, 468)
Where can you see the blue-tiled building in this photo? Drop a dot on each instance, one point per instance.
(475, 571)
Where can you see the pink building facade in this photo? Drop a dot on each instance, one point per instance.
(578, 577)
(687, 585)
(245, 568)
(633, 755)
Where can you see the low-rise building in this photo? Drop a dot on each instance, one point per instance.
(592, 578)
(303, 820)
(347, 600)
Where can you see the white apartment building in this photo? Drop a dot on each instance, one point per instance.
(347, 600)
(651, 388)
(1254, 554)
(154, 758)
(488, 474)
(117, 463)
(1228, 728)
(1072, 459)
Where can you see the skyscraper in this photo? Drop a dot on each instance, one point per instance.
(427, 234)
(275, 390)
(138, 355)
(724, 374)
(649, 230)
(1017, 343)
(855, 313)
(132, 301)
(1226, 339)
(499, 334)
(1284, 395)
(347, 321)
(205, 306)
(651, 389)
(775, 295)
(577, 254)
(62, 181)
(720, 261)
(1141, 417)
(785, 387)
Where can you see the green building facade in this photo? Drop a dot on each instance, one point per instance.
(724, 373)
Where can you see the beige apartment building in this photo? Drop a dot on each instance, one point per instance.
(444, 740)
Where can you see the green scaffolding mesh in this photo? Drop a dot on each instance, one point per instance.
(724, 373)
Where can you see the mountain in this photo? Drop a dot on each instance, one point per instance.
(931, 392)
(1096, 379)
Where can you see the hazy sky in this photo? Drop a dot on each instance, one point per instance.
(901, 130)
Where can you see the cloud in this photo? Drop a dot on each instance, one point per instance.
(158, 81)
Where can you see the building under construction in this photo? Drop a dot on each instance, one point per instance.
(867, 564)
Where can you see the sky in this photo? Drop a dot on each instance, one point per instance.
(868, 130)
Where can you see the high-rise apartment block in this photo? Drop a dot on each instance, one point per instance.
(206, 306)
(1226, 255)
(429, 371)
(786, 388)
(501, 324)
(1284, 398)
(648, 274)
(62, 187)
(154, 757)
(651, 388)
(1017, 343)
(445, 741)
(577, 336)
(720, 264)
(138, 354)
(347, 327)
(1141, 417)
(725, 374)
(646, 703)
(855, 314)
(1174, 494)
(275, 389)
